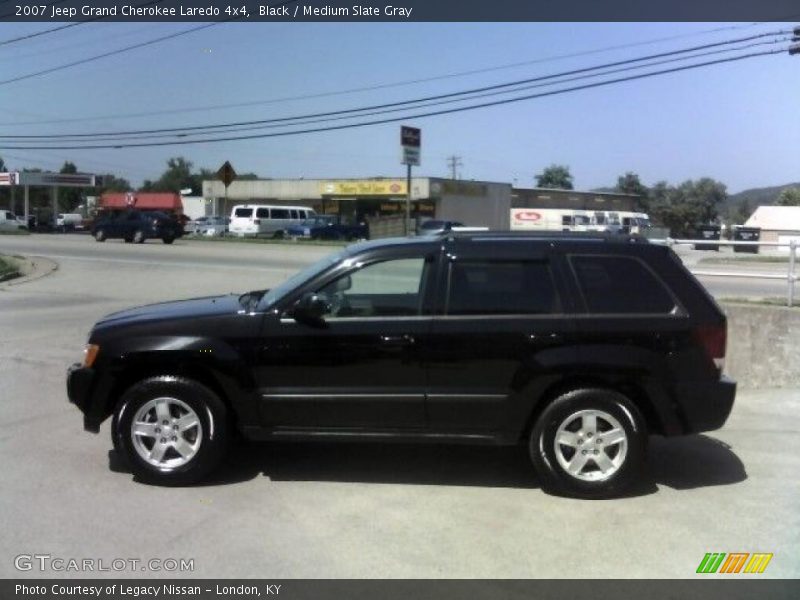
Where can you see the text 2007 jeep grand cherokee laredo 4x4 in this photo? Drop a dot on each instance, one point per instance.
(579, 346)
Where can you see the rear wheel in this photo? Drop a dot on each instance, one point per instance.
(171, 430)
(100, 235)
(139, 237)
(168, 239)
(589, 443)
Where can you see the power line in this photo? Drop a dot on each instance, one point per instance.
(391, 84)
(472, 96)
(409, 116)
(62, 27)
(376, 107)
(126, 49)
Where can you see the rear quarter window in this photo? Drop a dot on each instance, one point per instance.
(501, 287)
(620, 285)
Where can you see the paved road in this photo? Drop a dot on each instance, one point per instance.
(347, 511)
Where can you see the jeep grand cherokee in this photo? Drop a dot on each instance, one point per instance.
(578, 346)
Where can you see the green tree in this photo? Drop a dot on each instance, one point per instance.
(69, 198)
(555, 177)
(742, 213)
(631, 184)
(684, 207)
(178, 176)
(3, 168)
(112, 183)
(789, 197)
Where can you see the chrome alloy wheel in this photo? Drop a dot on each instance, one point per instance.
(591, 445)
(166, 432)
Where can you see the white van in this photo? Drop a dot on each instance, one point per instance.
(66, 221)
(265, 219)
(9, 221)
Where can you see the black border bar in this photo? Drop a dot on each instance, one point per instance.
(709, 587)
(400, 11)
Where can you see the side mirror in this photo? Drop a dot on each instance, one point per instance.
(310, 309)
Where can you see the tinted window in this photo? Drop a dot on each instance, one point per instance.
(566, 220)
(280, 213)
(244, 213)
(262, 213)
(619, 284)
(293, 213)
(384, 289)
(501, 288)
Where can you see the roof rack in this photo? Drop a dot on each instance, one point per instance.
(563, 236)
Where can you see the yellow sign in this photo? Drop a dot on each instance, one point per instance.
(363, 187)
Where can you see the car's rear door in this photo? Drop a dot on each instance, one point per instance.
(501, 326)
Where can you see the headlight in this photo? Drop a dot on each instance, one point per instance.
(90, 354)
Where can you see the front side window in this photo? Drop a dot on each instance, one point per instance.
(391, 288)
(620, 284)
(485, 287)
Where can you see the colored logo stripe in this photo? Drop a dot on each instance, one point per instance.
(711, 562)
(758, 562)
(734, 562)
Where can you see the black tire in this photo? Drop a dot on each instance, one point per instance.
(100, 235)
(168, 239)
(139, 237)
(128, 240)
(569, 412)
(210, 435)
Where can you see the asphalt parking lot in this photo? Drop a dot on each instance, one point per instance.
(342, 511)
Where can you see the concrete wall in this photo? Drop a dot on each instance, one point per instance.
(763, 345)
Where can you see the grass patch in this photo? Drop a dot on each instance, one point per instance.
(770, 301)
(264, 240)
(8, 269)
(752, 258)
(15, 232)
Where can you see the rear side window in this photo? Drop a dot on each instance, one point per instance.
(484, 287)
(294, 213)
(243, 213)
(280, 213)
(620, 284)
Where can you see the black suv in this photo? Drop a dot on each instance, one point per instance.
(136, 226)
(577, 345)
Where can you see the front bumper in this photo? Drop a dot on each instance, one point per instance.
(706, 405)
(80, 384)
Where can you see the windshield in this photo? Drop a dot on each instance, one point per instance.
(295, 280)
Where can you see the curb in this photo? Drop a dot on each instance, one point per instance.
(32, 268)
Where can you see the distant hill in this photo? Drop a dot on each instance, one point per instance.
(754, 197)
(757, 196)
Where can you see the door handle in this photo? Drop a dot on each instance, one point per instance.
(550, 338)
(398, 340)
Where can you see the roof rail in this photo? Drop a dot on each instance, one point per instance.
(563, 236)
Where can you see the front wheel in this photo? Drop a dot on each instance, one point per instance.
(589, 443)
(139, 237)
(100, 235)
(168, 239)
(171, 430)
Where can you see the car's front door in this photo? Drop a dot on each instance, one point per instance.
(359, 370)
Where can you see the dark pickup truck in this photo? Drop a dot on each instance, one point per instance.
(137, 226)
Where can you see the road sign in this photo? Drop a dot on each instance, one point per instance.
(410, 156)
(226, 174)
(410, 136)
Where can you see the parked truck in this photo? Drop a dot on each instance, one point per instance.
(564, 219)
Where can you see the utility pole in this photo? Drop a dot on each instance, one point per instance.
(453, 162)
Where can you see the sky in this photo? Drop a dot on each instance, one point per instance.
(738, 123)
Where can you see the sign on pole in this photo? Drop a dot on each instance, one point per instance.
(410, 141)
(226, 174)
